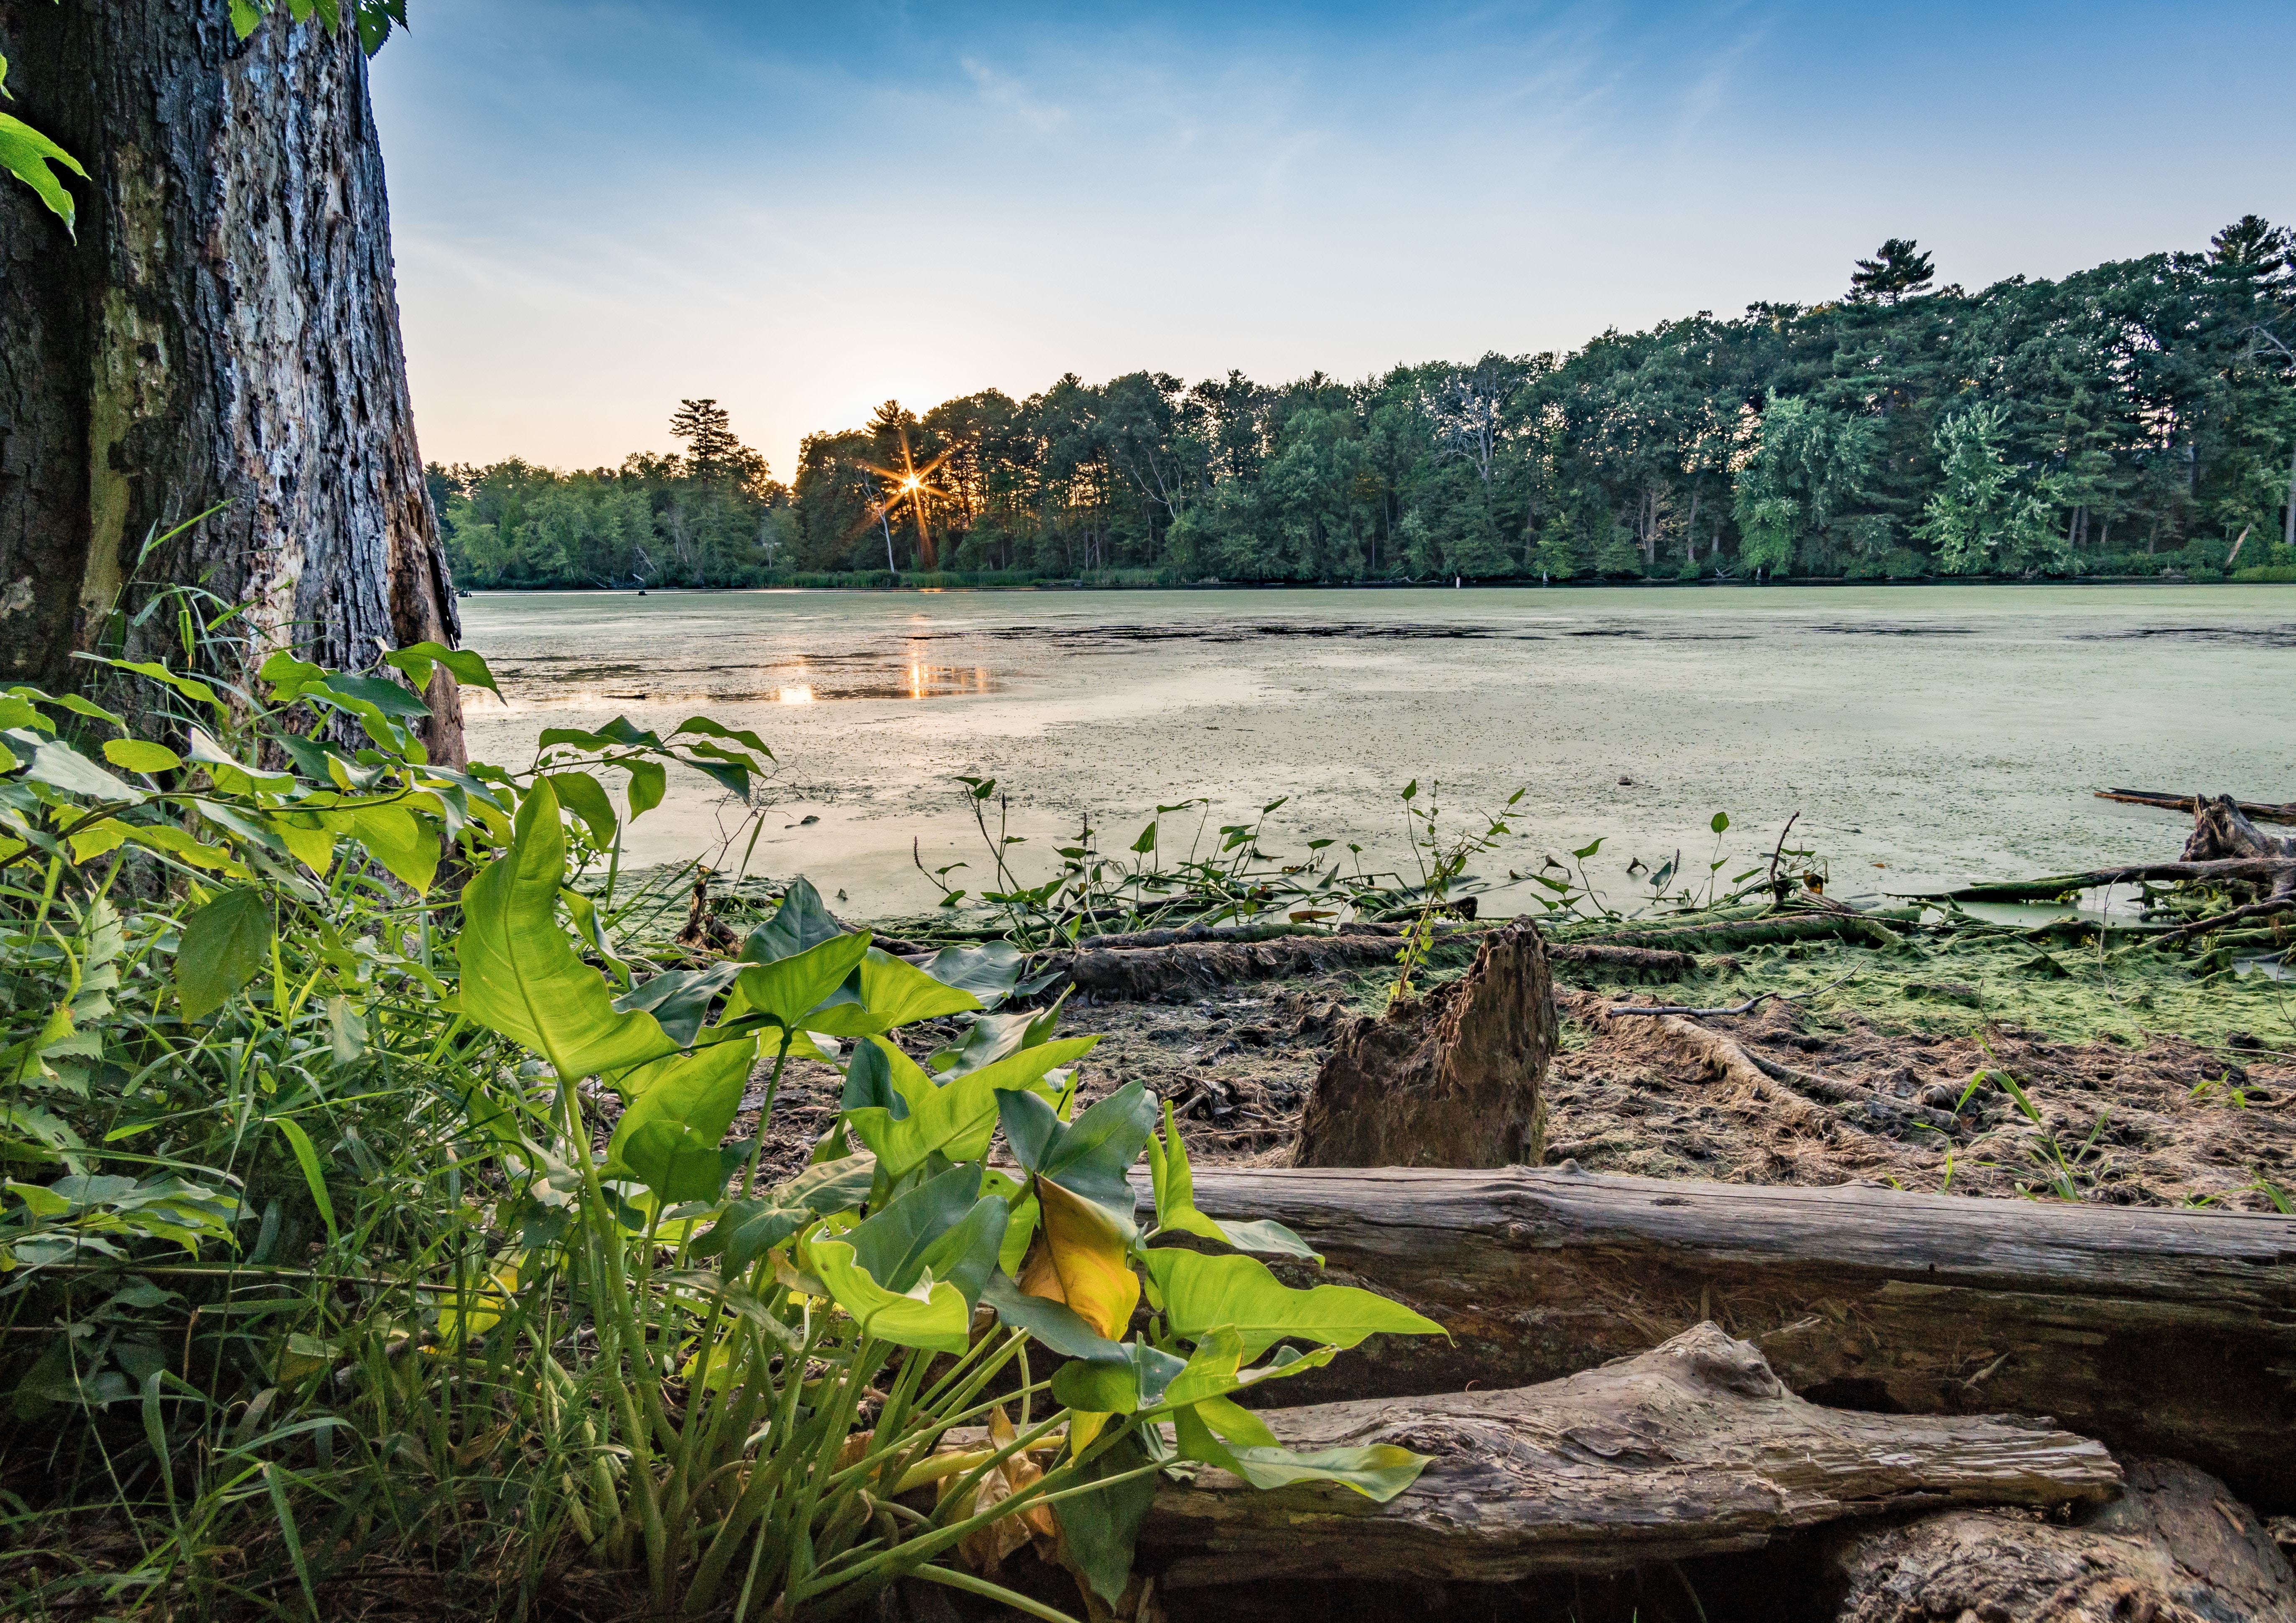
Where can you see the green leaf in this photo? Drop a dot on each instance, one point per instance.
(788, 989)
(679, 999)
(1175, 1184)
(29, 155)
(1135, 1380)
(1379, 1472)
(140, 755)
(1089, 1156)
(748, 1229)
(944, 1227)
(307, 1159)
(800, 922)
(289, 677)
(402, 843)
(60, 766)
(1055, 1325)
(958, 1121)
(381, 691)
(1102, 1529)
(417, 658)
(1721, 821)
(898, 993)
(583, 795)
(521, 976)
(931, 1314)
(225, 945)
(649, 781)
(989, 972)
(668, 1136)
(1203, 1294)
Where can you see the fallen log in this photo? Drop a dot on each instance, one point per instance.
(2254, 810)
(1450, 1080)
(2169, 1332)
(2248, 870)
(1753, 933)
(1692, 1448)
(2174, 1548)
(1191, 968)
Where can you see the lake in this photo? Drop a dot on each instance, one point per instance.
(1925, 735)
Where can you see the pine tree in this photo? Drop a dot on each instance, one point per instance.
(1898, 271)
(712, 452)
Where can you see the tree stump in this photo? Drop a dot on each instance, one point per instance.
(2176, 1548)
(1452, 1080)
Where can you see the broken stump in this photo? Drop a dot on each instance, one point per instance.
(1450, 1080)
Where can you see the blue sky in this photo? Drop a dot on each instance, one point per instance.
(599, 208)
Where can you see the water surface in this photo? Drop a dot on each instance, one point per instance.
(1924, 734)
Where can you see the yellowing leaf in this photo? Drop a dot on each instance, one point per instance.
(140, 755)
(1080, 1260)
(306, 840)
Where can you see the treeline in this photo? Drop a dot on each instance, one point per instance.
(2131, 419)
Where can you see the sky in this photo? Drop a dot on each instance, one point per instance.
(601, 207)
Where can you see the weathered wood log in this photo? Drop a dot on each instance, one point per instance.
(1191, 968)
(2249, 870)
(2220, 831)
(1451, 1079)
(2169, 1332)
(1752, 932)
(2255, 810)
(2174, 1548)
(1692, 1448)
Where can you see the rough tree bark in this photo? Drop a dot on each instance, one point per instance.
(1451, 1079)
(2166, 1333)
(2174, 1548)
(1692, 1448)
(225, 329)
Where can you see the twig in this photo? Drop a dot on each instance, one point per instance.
(1780, 850)
(1747, 1007)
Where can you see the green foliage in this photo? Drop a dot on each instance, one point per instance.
(35, 159)
(2095, 424)
(300, 1154)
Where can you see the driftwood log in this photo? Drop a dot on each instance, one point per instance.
(2169, 1332)
(2174, 1548)
(1450, 1080)
(1183, 969)
(1812, 926)
(2256, 811)
(1691, 1449)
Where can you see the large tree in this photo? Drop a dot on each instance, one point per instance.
(221, 330)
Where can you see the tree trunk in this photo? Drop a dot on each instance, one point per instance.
(2163, 1332)
(2174, 1549)
(226, 330)
(1692, 1448)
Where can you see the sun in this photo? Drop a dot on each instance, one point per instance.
(912, 487)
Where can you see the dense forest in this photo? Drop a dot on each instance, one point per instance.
(2136, 418)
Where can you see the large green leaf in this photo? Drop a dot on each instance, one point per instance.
(1101, 1529)
(900, 993)
(958, 1120)
(521, 976)
(914, 1232)
(669, 1135)
(679, 999)
(932, 1313)
(1175, 1185)
(788, 989)
(60, 766)
(225, 945)
(1379, 1472)
(27, 154)
(800, 922)
(990, 971)
(1135, 1380)
(1053, 1323)
(1088, 1156)
(748, 1229)
(1202, 1294)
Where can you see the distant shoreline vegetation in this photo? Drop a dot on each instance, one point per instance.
(2132, 420)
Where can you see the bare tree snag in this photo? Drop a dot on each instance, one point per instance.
(2256, 810)
(1692, 1448)
(2164, 1333)
(2221, 832)
(1451, 1079)
(226, 330)
(2176, 1548)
